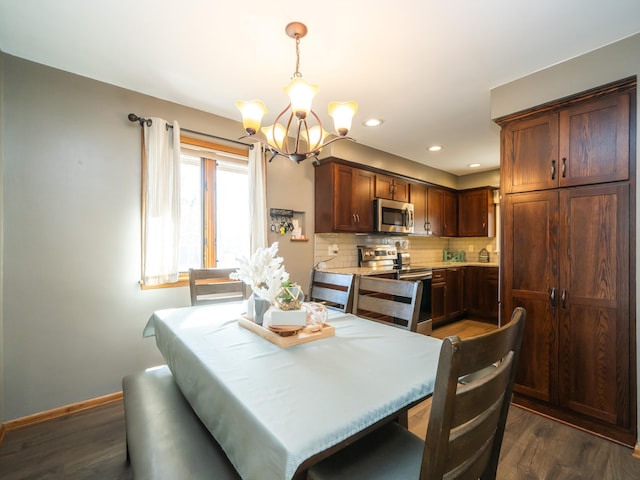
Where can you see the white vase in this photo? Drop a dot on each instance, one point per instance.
(256, 308)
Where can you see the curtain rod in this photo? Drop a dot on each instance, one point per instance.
(135, 118)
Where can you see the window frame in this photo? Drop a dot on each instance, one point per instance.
(209, 199)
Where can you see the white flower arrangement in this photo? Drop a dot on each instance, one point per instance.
(263, 272)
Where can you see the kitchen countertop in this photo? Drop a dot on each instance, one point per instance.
(388, 269)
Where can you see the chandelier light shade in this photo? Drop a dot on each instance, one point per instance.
(296, 139)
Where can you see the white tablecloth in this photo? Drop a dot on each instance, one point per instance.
(272, 408)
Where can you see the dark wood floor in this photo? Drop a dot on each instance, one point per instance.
(90, 445)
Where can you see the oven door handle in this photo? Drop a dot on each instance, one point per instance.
(414, 276)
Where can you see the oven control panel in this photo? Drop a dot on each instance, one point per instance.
(377, 256)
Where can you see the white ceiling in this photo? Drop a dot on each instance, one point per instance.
(426, 67)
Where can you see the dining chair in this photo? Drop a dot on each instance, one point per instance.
(213, 285)
(395, 302)
(466, 423)
(334, 290)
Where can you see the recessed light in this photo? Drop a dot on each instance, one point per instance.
(435, 148)
(474, 165)
(373, 122)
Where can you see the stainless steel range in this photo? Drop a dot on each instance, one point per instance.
(389, 259)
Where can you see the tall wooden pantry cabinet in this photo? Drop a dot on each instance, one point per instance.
(568, 213)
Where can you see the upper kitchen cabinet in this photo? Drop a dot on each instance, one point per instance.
(476, 213)
(576, 143)
(436, 210)
(428, 209)
(391, 188)
(343, 198)
(450, 214)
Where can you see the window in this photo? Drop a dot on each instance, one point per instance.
(214, 209)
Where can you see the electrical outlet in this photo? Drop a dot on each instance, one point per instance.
(470, 248)
(333, 249)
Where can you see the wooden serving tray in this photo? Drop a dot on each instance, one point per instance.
(303, 336)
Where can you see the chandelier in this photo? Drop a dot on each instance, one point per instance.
(296, 140)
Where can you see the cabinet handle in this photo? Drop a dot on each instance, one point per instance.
(564, 167)
(564, 298)
(553, 169)
(353, 215)
(357, 218)
(552, 297)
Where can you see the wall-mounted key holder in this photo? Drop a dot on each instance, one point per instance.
(285, 221)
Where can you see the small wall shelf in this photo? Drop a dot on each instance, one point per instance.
(283, 221)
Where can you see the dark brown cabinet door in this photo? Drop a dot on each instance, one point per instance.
(593, 304)
(594, 141)
(530, 272)
(530, 154)
(418, 197)
(435, 210)
(450, 214)
(481, 292)
(384, 187)
(476, 213)
(472, 291)
(438, 288)
(490, 281)
(342, 201)
(454, 294)
(391, 188)
(362, 200)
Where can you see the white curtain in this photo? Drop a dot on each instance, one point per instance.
(258, 197)
(161, 222)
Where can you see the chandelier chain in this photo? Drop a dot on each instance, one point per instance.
(297, 72)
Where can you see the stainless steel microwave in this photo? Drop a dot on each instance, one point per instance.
(392, 217)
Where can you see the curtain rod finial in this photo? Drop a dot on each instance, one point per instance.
(135, 118)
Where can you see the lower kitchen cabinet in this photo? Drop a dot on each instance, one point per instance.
(481, 292)
(447, 295)
(567, 262)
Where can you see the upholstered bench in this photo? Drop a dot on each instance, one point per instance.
(165, 438)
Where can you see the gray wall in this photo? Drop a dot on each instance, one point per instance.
(73, 311)
(608, 64)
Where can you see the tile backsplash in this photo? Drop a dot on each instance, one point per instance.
(341, 249)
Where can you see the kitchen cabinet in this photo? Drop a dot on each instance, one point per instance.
(454, 294)
(567, 257)
(573, 279)
(481, 293)
(447, 290)
(438, 287)
(435, 210)
(391, 188)
(428, 205)
(580, 144)
(476, 213)
(343, 198)
(450, 214)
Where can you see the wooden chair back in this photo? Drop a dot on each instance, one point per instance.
(469, 409)
(213, 285)
(334, 290)
(395, 302)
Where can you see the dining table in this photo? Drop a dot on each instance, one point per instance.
(275, 411)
